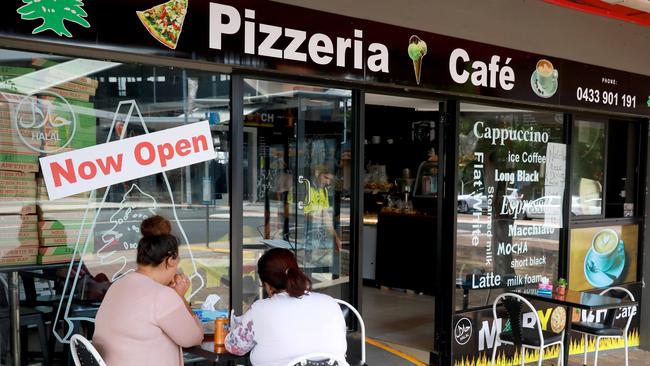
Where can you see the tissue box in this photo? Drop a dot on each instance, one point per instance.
(210, 315)
(545, 288)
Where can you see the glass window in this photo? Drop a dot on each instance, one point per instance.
(297, 185)
(510, 190)
(587, 168)
(621, 190)
(51, 104)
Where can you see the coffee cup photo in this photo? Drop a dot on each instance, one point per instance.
(545, 78)
(606, 247)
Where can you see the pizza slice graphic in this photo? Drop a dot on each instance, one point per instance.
(165, 21)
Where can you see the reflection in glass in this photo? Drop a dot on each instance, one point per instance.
(508, 212)
(51, 104)
(297, 182)
(588, 166)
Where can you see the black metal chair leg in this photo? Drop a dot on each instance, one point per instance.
(42, 335)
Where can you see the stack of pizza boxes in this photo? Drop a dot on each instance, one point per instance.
(65, 223)
(18, 167)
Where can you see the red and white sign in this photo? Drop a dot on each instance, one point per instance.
(120, 161)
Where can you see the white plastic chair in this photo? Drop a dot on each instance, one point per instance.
(605, 329)
(83, 352)
(362, 328)
(317, 359)
(524, 337)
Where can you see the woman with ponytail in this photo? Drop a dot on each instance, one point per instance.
(292, 321)
(144, 318)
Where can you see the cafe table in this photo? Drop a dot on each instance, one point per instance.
(577, 300)
(206, 351)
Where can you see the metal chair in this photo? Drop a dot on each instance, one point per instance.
(520, 337)
(362, 328)
(607, 328)
(317, 359)
(83, 352)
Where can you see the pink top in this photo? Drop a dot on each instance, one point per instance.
(142, 322)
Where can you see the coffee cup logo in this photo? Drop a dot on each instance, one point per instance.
(544, 80)
(606, 245)
(45, 122)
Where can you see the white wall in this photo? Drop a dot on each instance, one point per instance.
(527, 25)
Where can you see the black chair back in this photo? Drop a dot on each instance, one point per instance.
(350, 319)
(318, 363)
(612, 313)
(514, 315)
(83, 352)
(85, 357)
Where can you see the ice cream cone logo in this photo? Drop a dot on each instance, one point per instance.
(417, 49)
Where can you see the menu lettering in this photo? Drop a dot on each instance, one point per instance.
(512, 161)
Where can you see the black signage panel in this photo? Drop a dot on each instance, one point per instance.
(475, 332)
(289, 39)
(601, 88)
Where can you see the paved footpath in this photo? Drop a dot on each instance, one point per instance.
(614, 358)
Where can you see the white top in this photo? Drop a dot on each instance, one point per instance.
(281, 328)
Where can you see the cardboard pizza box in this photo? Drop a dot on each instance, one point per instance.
(22, 251)
(18, 260)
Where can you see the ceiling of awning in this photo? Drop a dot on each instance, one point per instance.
(635, 11)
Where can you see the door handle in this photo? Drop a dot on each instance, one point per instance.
(305, 181)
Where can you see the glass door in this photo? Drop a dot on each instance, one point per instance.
(297, 174)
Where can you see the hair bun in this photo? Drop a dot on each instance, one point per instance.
(155, 226)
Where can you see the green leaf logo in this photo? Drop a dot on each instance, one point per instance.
(648, 102)
(54, 13)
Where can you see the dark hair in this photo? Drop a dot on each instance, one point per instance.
(155, 249)
(278, 268)
(155, 225)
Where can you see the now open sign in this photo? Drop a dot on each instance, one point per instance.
(103, 165)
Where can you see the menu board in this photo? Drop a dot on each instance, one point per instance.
(511, 188)
(603, 256)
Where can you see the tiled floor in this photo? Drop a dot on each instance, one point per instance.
(398, 317)
(614, 358)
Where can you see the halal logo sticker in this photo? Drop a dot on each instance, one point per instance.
(45, 122)
(463, 331)
(54, 13)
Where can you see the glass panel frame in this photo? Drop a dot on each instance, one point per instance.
(287, 112)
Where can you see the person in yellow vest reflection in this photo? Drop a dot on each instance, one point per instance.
(321, 235)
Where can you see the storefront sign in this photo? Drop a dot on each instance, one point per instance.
(120, 161)
(257, 34)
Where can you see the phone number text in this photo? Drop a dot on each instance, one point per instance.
(605, 97)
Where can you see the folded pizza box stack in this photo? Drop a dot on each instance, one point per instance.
(64, 224)
(17, 192)
(14, 154)
(18, 165)
(85, 134)
(59, 238)
(18, 239)
(60, 226)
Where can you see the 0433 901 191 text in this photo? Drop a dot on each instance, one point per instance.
(605, 97)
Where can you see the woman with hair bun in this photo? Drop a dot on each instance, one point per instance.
(144, 318)
(292, 321)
